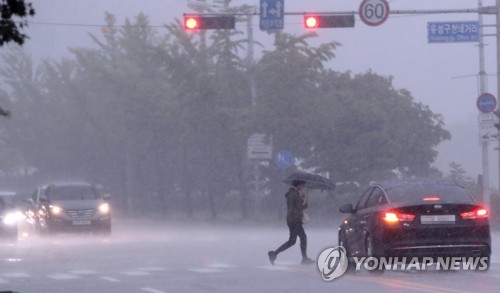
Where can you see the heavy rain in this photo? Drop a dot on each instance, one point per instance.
(249, 146)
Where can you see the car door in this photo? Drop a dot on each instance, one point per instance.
(371, 214)
(357, 224)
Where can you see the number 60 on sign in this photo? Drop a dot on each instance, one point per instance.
(374, 12)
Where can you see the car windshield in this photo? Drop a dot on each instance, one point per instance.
(428, 193)
(71, 193)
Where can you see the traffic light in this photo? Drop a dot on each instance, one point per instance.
(325, 21)
(199, 22)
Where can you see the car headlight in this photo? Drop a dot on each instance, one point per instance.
(55, 210)
(12, 218)
(104, 208)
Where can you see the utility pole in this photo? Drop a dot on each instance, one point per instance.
(498, 80)
(482, 89)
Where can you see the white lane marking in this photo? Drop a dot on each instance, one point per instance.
(276, 268)
(2, 281)
(110, 279)
(15, 275)
(63, 277)
(152, 269)
(205, 270)
(83, 272)
(136, 273)
(151, 290)
(220, 266)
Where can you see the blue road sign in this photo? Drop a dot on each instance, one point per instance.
(453, 32)
(486, 103)
(272, 14)
(284, 159)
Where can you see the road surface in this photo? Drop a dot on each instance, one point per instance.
(148, 256)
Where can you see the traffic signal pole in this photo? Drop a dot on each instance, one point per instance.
(498, 78)
(485, 184)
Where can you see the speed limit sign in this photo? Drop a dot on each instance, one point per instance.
(374, 12)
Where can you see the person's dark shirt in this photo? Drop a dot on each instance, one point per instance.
(295, 205)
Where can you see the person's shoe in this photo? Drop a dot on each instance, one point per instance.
(307, 261)
(272, 257)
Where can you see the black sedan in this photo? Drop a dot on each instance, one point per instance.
(430, 218)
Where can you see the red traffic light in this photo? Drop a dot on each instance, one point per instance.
(328, 21)
(203, 22)
(191, 23)
(311, 21)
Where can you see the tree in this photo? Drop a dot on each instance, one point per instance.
(13, 15)
(163, 120)
(459, 175)
(10, 11)
(369, 129)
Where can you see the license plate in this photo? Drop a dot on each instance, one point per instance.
(81, 222)
(438, 219)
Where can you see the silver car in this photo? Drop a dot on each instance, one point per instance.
(72, 207)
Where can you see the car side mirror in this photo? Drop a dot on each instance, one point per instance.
(347, 209)
(106, 196)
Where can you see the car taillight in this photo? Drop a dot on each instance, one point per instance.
(393, 217)
(431, 198)
(480, 213)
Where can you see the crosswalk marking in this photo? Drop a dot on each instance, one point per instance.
(83, 272)
(110, 279)
(151, 290)
(205, 270)
(152, 269)
(220, 266)
(275, 268)
(15, 275)
(63, 277)
(136, 273)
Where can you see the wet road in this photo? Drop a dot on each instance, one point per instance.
(150, 257)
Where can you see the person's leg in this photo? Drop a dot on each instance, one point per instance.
(294, 232)
(303, 241)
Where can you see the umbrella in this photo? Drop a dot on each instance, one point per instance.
(312, 181)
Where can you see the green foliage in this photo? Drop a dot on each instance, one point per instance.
(13, 14)
(163, 120)
(459, 175)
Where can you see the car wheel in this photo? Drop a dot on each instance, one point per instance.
(50, 231)
(105, 230)
(351, 267)
(370, 252)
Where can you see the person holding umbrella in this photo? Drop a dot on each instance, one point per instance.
(295, 205)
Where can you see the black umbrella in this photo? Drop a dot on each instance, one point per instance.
(312, 181)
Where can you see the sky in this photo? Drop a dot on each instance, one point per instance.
(441, 76)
